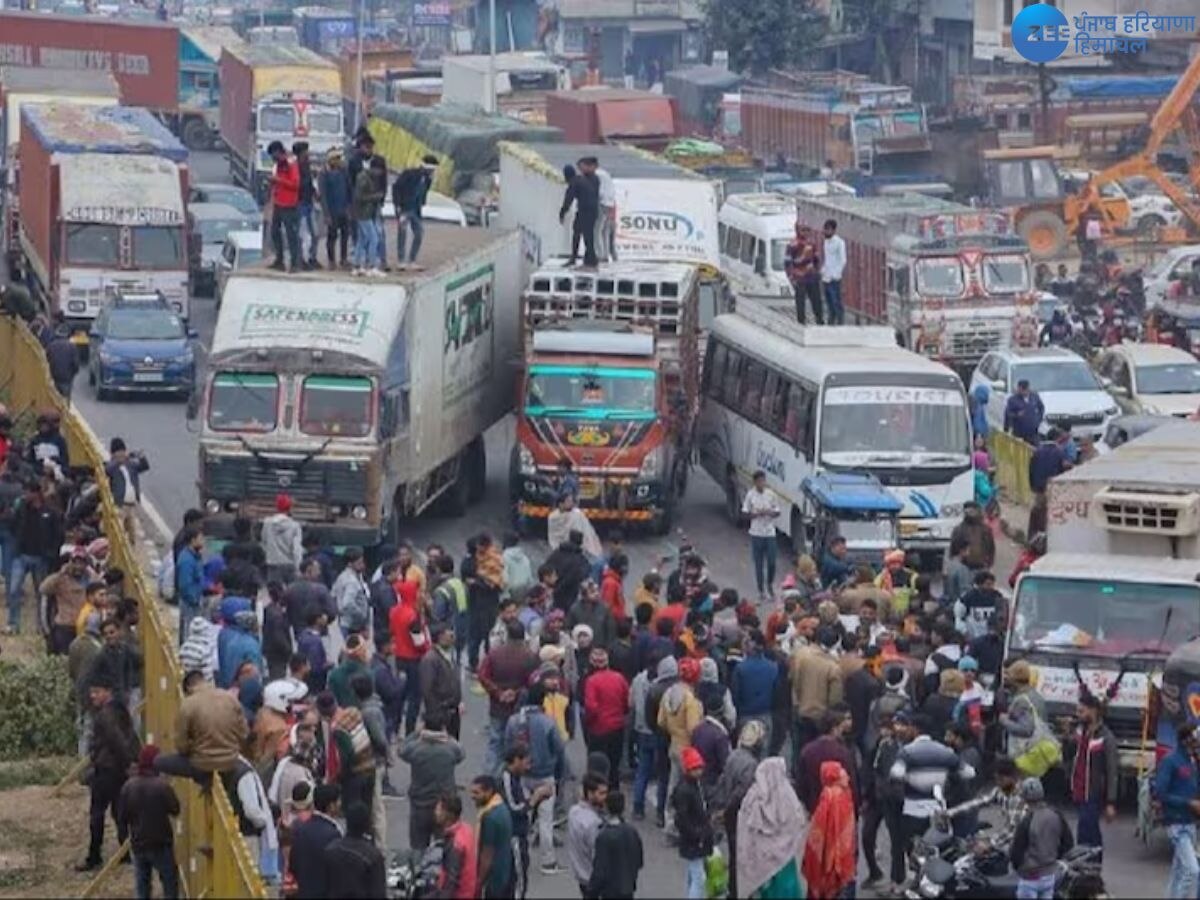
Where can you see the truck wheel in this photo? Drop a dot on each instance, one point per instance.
(476, 463)
(664, 519)
(197, 135)
(458, 497)
(1045, 232)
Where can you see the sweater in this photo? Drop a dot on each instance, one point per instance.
(145, 807)
(433, 756)
(281, 540)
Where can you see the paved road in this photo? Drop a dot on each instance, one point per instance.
(161, 430)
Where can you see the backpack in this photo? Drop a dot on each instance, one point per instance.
(166, 576)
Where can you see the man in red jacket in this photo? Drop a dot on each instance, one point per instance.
(612, 588)
(285, 206)
(605, 704)
(410, 641)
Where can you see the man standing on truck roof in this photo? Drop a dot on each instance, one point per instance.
(606, 225)
(584, 191)
(308, 198)
(334, 194)
(831, 273)
(285, 203)
(409, 192)
(803, 267)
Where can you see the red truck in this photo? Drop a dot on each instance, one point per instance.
(103, 193)
(610, 116)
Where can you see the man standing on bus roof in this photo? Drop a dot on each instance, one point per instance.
(803, 268)
(832, 268)
(761, 506)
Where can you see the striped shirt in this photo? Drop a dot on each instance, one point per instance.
(924, 765)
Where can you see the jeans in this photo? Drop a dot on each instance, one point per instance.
(763, 551)
(420, 826)
(495, 745)
(662, 772)
(646, 750)
(381, 243)
(606, 232)
(610, 745)
(1087, 830)
(410, 696)
(835, 313)
(1185, 868)
(8, 556)
(366, 249)
(409, 219)
(146, 863)
(106, 787)
(697, 882)
(584, 229)
(337, 234)
(808, 291)
(1036, 888)
(23, 564)
(308, 233)
(886, 812)
(286, 219)
(544, 816)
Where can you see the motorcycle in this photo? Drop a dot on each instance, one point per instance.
(413, 874)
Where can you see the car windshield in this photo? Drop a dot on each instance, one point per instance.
(1111, 617)
(243, 402)
(239, 199)
(896, 422)
(1004, 274)
(940, 277)
(95, 245)
(324, 121)
(214, 231)
(778, 253)
(590, 393)
(1172, 378)
(336, 405)
(157, 247)
(1071, 375)
(277, 119)
(146, 324)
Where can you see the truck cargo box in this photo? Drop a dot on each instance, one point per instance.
(601, 116)
(20, 86)
(699, 91)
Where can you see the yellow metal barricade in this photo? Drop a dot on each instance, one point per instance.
(1012, 457)
(212, 856)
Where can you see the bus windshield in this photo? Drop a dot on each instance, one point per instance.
(1005, 274)
(590, 393)
(243, 402)
(1108, 617)
(940, 277)
(893, 425)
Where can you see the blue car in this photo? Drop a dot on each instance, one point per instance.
(141, 346)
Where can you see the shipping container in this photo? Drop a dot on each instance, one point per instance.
(325, 30)
(142, 56)
(700, 92)
(523, 81)
(608, 116)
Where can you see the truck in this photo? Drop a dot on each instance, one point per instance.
(366, 401)
(198, 116)
(103, 198)
(953, 282)
(324, 30)
(704, 94)
(614, 116)
(1116, 592)
(20, 86)
(276, 93)
(610, 383)
(523, 82)
(665, 213)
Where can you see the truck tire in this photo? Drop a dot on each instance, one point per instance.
(476, 463)
(458, 496)
(1045, 232)
(196, 135)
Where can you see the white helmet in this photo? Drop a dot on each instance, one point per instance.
(279, 695)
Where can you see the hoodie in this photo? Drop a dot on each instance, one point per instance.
(281, 540)
(679, 714)
(518, 572)
(710, 684)
(199, 651)
(237, 644)
(979, 404)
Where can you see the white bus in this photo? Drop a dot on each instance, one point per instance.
(793, 401)
(755, 232)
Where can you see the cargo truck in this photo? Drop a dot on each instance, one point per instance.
(610, 383)
(364, 400)
(103, 194)
(523, 82)
(198, 118)
(276, 93)
(1118, 590)
(612, 116)
(953, 282)
(20, 86)
(324, 30)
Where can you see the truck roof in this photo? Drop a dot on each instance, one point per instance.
(73, 128)
(890, 206)
(1116, 566)
(618, 161)
(211, 39)
(505, 62)
(19, 79)
(1166, 456)
(95, 189)
(261, 56)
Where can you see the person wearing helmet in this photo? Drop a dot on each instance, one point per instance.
(274, 719)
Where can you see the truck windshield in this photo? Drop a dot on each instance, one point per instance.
(590, 393)
(91, 244)
(1177, 378)
(1109, 617)
(1072, 375)
(778, 253)
(157, 247)
(940, 276)
(246, 402)
(277, 120)
(894, 426)
(324, 121)
(336, 405)
(1005, 274)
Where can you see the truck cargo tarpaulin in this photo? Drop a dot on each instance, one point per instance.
(656, 220)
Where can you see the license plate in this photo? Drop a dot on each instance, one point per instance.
(147, 376)
(589, 489)
(79, 338)
(908, 529)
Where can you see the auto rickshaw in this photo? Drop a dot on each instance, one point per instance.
(855, 506)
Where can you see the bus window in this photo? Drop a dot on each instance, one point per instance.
(729, 391)
(767, 404)
(715, 371)
(751, 387)
(748, 243)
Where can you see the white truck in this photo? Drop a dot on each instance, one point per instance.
(365, 400)
(1117, 592)
(665, 213)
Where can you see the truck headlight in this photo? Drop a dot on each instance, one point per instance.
(212, 507)
(525, 460)
(651, 463)
(359, 512)
(1111, 411)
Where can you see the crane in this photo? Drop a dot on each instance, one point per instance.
(1176, 111)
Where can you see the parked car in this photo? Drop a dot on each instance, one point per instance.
(1124, 429)
(1152, 378)
(1173, 266)
(1071, 392)
(212, 192)
(213, 222)
(241, 250)
(139, 344)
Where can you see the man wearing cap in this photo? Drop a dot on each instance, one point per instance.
(1041, 840)
(334, 195)
(605, 705)
(147, 803)
(692, 820)
(113, 749)
(124, 470)
(282, 542)
(409, 192)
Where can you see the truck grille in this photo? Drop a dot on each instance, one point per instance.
(973, 344)
(1065, 421)
(311, 487)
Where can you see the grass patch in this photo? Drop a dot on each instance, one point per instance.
(27, 772)
(21, 865)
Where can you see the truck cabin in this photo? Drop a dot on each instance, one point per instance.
(1019, 176)
(974, 255)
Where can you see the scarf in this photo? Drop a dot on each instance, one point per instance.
(771, 826)
(831, 853)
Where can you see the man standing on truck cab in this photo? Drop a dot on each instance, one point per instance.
(584, 191)
(409, 192)
(831, 273)
(803, 266)
(308, 198)
(334, 195)
(285, 204)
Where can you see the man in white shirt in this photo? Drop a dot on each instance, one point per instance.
(606, 224)
(832, 267)
(761, 506)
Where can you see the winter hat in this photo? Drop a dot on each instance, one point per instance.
(691, 759)
(1031, 790)
(146, 757)
(968, 664)
(283, 503)
(951, 683)
(714, 704)
(689, 670)
(581, 631)
(1019, 672)
(897, 677)
(551, 653)
(668, 667)
(894, 558)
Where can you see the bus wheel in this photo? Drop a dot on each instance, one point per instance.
(799, 538)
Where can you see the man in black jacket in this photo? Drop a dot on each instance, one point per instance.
(692, 820)
(146, 804)
(38, 535)
(409, 192)
(618, 854)
(63, 360)
(356, 869)
(310, 838)
(583, 190)
(572, 567)
(114, 747)
(124, 470)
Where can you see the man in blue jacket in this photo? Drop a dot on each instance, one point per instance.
(189, 578)
(333, 190)
(532, 728)
(1177, 786)
(754, 685)
(1023, 413)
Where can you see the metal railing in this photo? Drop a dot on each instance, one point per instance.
(212, 856)
(1012, 455)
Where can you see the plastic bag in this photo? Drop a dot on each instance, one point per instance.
(716, 874)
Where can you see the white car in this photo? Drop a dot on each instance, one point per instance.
(1072, 394)
(1152, 378)
(242, 249)
(1174, 265)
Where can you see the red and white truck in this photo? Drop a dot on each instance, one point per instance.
(103, 192)
(953, 282)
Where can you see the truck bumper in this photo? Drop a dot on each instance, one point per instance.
(617, 498)
(337, 534)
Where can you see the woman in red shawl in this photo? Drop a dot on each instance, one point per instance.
(831, 854)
